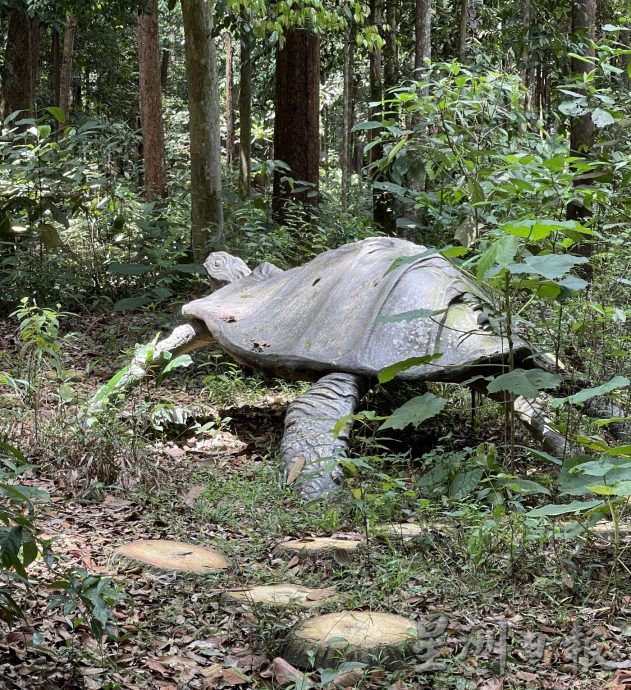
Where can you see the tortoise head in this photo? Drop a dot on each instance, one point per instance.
(223, 268)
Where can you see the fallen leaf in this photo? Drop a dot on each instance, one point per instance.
(233, 676)
(296, 468)
(349, 678)
(155, 665)
(193, 494)
(285, 673)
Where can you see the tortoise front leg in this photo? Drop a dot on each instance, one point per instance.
(183, 339)
(534, 416)
(309, 447)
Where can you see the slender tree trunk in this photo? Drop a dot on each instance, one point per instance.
(204, 126)
(227, 41)
(21, 61)
(463, 30)
(245, 113)
(66, 65)
(347, 114)
(56, 66)
(625, 61)
(150, 101)
(297, 118)
(423, 33)
(390, 62)
(529, 71)
(380, 213)
(164, 69)
(582, 128)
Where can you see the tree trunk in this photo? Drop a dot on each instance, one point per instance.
(423, 33)
(227, 41)
(21, 60)
(56, 67)
(390, 64)
(150, 101)
(463, 30)
(380, 212)
(245, 112)
(582, 128)
(66, 65)
(204, 126)
(297, 118)
(347, 114)
(164, 69)
(529, 73)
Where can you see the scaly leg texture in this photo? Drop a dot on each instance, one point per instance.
(184, 338)
(310, 452)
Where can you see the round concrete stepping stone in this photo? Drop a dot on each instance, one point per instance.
(382, 639)
(399, 530)
(283, 595)
(176, 556)
(318, 545)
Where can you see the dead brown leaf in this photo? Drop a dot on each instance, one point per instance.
(155, 665)
(285, 673)
(193, 494)
(233, 676)
(296, 468)
(349, 679)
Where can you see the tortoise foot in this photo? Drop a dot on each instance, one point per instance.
(310, 451)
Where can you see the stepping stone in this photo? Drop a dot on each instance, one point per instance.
(283, 595)
(318, 545)
(176, 556)
(400, 530)
(378, 639)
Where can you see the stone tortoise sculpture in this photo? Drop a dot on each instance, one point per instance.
(327, 321)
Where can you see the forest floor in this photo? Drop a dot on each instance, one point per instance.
(497, 606)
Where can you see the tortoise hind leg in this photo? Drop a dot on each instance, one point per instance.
(309, 447)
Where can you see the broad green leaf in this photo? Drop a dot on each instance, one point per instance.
(594, 468)
(602, 118)
(616, 383)
(360, 126)
(619, 451)
(389, 372)
(532, 229)
(475, 191)
(542, 455)
(526, 487)
(564, 508)
(574, 108)
(415, 411)
(391, 187)
(12, 450)
(551, 266)
(57, 113)
(602, 490)
(501, 252)
(464, 483)
(181, 361)
(525, 382)
(105, 391)
(131, 303)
